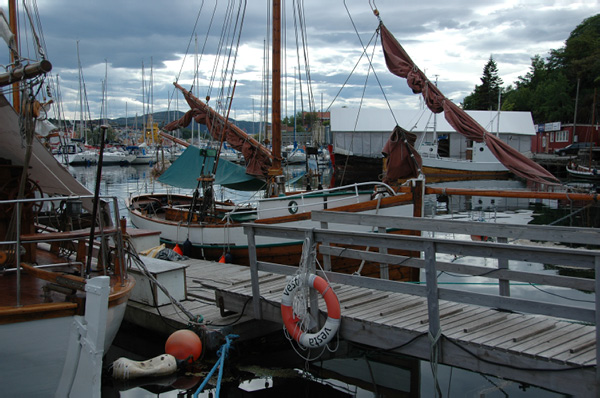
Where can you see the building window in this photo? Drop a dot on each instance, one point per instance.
(552, 136)
(562, 136)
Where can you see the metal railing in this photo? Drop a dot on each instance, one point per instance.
(39, 238)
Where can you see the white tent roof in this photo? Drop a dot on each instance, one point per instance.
(377, 120)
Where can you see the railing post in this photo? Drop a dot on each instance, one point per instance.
(433, 311)
(311, 268)
(326, 257)
(433, 306)
(254, 272)
(504, 284)
(384, 271)
(597, 314)
(18, 252)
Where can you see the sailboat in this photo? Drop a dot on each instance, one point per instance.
(213, 230)
(60, 307)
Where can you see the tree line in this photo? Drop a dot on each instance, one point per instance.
(554, 86)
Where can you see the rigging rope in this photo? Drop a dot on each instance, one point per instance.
(370, 62)
(191, 36)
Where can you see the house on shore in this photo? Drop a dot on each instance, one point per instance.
(551, 137)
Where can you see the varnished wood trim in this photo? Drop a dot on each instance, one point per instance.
(36, 311)
(70, 281)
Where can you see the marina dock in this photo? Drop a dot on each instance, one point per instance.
(533, 342)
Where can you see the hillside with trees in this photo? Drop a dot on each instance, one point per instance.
(553, 85)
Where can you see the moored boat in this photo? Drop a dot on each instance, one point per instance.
(218, 232)
(583, 172)
(44, 290)
(62, 296)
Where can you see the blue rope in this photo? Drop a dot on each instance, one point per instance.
(221, 353)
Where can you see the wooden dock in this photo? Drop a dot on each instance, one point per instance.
(549, 345)
(539, 343)
(202, 279)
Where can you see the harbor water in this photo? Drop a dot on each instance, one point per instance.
(270, 367)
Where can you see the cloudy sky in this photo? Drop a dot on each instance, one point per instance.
(124, 42)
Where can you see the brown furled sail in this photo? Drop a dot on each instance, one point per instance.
(400, 64)
(403, 160)
(258, 158)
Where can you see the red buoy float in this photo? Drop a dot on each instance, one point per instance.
(323, 336)
(184, 344)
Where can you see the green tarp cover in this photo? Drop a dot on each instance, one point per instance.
(193, 162)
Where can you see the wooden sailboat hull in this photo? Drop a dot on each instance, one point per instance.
(212, 241)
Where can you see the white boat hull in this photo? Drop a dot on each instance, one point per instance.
(34, 354)
(232, 235)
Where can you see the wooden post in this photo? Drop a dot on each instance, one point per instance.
(310, 259)
(504, 285)
(433, 305)
(384, 270)
(254, 272)
(418, 191)
(326, 257)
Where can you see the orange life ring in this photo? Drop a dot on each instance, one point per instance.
(329, 329)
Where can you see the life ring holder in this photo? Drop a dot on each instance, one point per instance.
(329, 329)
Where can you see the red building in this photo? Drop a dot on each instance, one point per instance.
(553, 136)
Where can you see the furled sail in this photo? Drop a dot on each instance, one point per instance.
(403, 160)
(257, 157)
(400, 64)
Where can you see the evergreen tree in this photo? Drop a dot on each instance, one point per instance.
(485, 96)
(549, 89)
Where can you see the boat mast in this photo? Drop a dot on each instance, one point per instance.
(12, 17)
(575, 114)
(276, 95)
(81, 117)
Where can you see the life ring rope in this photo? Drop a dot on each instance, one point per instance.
(292, 322)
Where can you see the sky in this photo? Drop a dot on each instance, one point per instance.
(133, 50)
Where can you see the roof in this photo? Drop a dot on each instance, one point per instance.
(378, 120)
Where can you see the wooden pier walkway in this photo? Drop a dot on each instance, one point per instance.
(544, 344)
(539, 343)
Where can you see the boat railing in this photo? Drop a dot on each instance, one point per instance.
(334, 195)
(103, 231)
